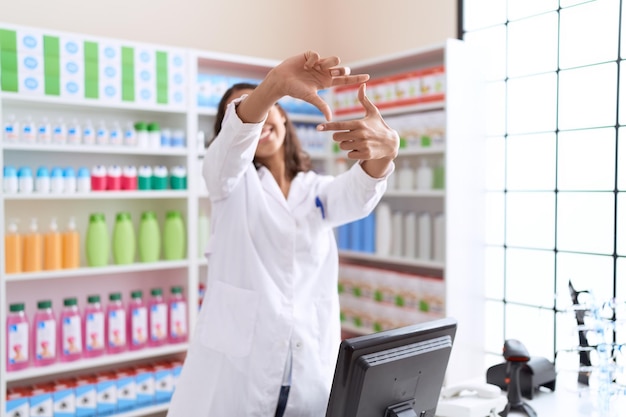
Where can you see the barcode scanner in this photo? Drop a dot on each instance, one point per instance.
(516, 356)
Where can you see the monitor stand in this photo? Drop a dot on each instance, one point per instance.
(404, 409)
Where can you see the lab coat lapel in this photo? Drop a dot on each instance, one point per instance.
(271, 187)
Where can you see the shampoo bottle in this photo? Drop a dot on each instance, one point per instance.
(53, 248)
(93, 322)
(33, 249)
(174, 236)
(97, 242)
(137, 321)
(12, 249)
(17, 338)
(71, 246)
(71, 329)
(149, 237)
(44, 335)
(157, 318)
(123, 240)
(115, 324)
(177, 312)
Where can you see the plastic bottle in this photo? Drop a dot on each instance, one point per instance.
(69, 180)
(93, 330)
(89, 133)
(52, 248)
(29, 131)
(42, 182)
(439, 237)
(177, 316)
(410, 235)
(123, 240)
(424, 176)
(116, 324)
(143, 139)
(178, 178)
(405, 177)
(439, 176)
(74, 133)
(424, 246)
(137, 322)
(397, 239)
(149, 237)
(99, 178)
(26, 184)
(71, 330)
(129, 178)
(44, 132)
(57, 184)
(159, 178)
(154, 135)
(17, 338)
(102, 134)
(178, 139)
(33, 249)
(116, 136)
(144, 177)
(44, 335)
(71, 246)
(173, 236)
(12, 249)
(83, 180)
(97, 241)
(157, 318)
(114, 178)
(11, 129)
(203, 233)
(10, 183)
(383, 229)
(59, 132)
(130, 136)
(166, 138)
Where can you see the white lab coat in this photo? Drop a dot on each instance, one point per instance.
(272, 284)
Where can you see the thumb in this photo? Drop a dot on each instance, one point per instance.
(365, 101)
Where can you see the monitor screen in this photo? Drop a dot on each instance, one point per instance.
(392, 373)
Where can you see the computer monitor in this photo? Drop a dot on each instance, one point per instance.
(393, 373)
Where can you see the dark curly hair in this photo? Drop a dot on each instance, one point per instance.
(296, 159)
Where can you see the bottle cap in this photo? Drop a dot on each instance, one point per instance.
(25, 172)
(115, 296)
(9, 171)
(124, 215)
(173, 215)
(140, 126)
(156, 291)
(96, 217)
(56, 172)
(43, 172)
(177, 290)
(83, 172)
(153, 127)
(69, 172)
(69, 302)
(136, 294)
(93, 299)
(44, 304)
(148, 215)
(16, 308)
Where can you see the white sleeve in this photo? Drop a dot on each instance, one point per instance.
(230, 153)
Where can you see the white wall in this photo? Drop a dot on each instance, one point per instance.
(352, 29)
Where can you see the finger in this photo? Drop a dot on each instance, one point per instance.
(365, 101)
(337, 126)
(310, 59)
(329, 62)
(320, 104)
(351, 79)
(339, 71)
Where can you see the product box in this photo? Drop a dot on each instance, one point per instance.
(64, 398)
(144, 379)
(41, 401)
(86, 401)
(177, 367)
(106, 394)
(126, 390)
(163, 382)
(18, 403)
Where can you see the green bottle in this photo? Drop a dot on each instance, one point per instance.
(123, 240)
(173, 236)
(149, 237)
(97, 242)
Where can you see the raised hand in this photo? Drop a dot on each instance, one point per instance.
(368, 139)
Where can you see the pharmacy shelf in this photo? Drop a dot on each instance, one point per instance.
(144, 411)
(96, 149)
(439, 150)
(396, 260)
(92, 271)
(415, 193)
(351, 328)
(393, 111)
(105, 360)
(9, 97)
(103, 195)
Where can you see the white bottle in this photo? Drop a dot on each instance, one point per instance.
(383, 229)
(26, 183)
(177, 140)
(11, 129)
(59, 132)
(410, 235)
(89, 133)
(397, 237)
(102, 134)
(42, 182)
(83, 180)
(116, 135)
(439, 238)
(74, 133)
(405, 177)
(10, 184)
(69, 180)
(29, 131)
(166, 138)
(57, 184)
(424, 244)
(424, 176)
(130, 136)
(44, 131)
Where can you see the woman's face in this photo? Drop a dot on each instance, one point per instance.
(272, 134)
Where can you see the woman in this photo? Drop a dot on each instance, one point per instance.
(268, 332)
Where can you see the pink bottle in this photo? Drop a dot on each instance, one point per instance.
(157, 318)
(93, 328)
(137, 322)
(44, 335)
(116, 324)
(71, 330)
(177, 316)
(17, 338)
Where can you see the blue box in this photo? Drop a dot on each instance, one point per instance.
(86, 401)
(41, 403)
(144, 380)
(64, 401)
(106, 395)
(17, 406)
(163, 383)
(126, 391)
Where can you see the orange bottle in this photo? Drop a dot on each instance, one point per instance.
(52, 248)
(12, 249)
(33, 249)
(71, 246)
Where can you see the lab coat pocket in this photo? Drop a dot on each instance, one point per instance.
(230, 319)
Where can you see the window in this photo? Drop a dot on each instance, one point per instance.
(556, 164)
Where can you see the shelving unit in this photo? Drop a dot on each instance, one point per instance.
(461, 200)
